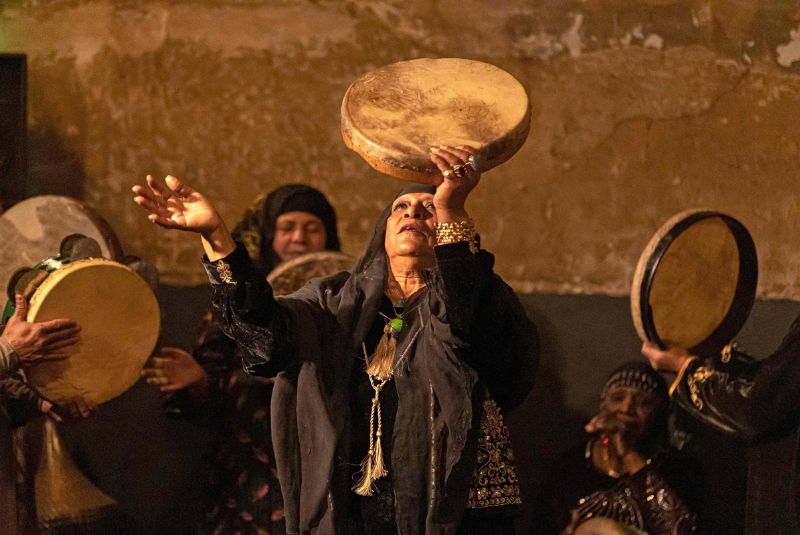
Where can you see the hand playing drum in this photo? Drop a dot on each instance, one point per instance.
(37, 342)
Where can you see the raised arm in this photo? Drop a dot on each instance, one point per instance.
(242, 301)
(745, 399)
(482, 312)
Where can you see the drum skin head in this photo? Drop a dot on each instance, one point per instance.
(695, 282)
(119, 319)
(291, 275)
(392, 116)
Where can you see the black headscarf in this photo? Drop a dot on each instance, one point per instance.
(257, 227)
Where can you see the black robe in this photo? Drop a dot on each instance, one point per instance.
(760, 401)
(470, 328)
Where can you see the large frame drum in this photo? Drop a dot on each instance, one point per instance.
(393, 115)
(695, 282)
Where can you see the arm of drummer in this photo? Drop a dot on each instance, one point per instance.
(242, 300)
(505, 353)
(24, 343)
(744, 400)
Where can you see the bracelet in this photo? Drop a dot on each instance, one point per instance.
(455, 232)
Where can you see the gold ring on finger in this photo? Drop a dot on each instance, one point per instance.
(447, 173)
(460, 170)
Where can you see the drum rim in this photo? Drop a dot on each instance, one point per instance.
(418, 167)
(647, 268)
(46, 286)
(281, 268)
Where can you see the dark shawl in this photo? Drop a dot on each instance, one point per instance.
(471, 327)
(257, 226)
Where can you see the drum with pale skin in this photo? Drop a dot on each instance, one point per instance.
(34, 229)
(392, 116)
(695, 282)
(291, 275)
(119, 318)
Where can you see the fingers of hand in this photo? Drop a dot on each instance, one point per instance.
(53, 415)
(441, 164)
(160, 192)
(177, 186)
(50, 357)
(447, 154)
(60, 325)
(455, 163)
(157, 380)
(20, 307)
(84, 407)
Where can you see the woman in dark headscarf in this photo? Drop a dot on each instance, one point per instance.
(380, 371)
(244, 494)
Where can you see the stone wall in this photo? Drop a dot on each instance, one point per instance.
(641, 108)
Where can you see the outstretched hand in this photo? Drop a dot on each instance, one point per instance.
(174, 205)
(459, 177)
(38, 342)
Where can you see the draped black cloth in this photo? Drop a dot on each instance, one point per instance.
(758, 400)
(469, 328)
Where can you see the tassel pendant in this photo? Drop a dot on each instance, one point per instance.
(373, 466)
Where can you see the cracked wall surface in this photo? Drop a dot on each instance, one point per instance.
(641, 109)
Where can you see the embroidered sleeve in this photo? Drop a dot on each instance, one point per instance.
(244, 307)
(738, 394)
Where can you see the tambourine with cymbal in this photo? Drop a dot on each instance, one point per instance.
(393, 115)
(695, 282)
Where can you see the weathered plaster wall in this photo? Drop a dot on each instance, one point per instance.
(641, 108)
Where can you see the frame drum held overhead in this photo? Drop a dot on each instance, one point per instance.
(393, 115)
(695, 282)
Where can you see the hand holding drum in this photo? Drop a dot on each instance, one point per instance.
(39, 342)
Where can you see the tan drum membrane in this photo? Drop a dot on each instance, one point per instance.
(689, 277)
(393, 116)
(291, 275)
(119, 319)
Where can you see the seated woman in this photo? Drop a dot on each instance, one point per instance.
(382, 370)
(622, 470)
(244, 494)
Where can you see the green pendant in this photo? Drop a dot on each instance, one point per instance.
(397, 325)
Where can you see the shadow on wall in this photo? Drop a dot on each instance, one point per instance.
(54, 169)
